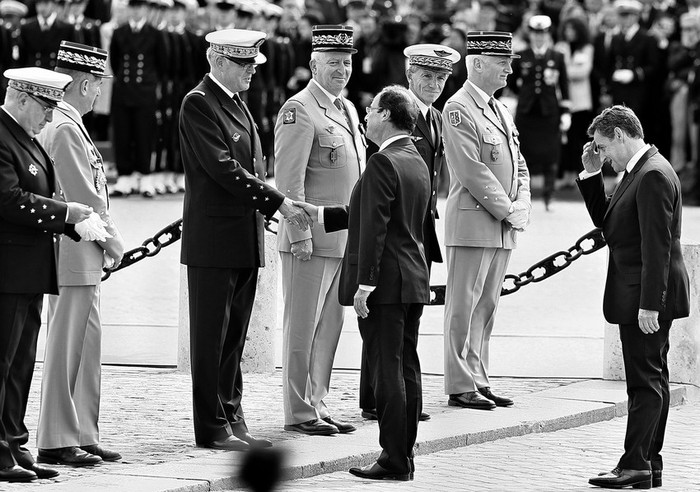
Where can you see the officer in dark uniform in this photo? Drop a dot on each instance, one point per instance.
(136, 55)
(40, 36)
(85, 30)
(539, 79)
(12, 12)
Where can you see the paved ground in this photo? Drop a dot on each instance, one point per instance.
(554, 461)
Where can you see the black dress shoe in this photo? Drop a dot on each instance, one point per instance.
(315, 427)
(252, 441)
(231, 443)
(471, 399)
(423, 417)
(618, 478)
(72, 456)
(103, 453)
(16, 474)
(656, 478)
(40, 471)
(498, 400)
(342, 427)
(378, 472)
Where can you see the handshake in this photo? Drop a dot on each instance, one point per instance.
(301, 214)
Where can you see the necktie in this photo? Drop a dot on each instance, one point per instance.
(341, 107)
(492, 105)
(431, 125)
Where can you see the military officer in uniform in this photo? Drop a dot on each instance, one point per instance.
(489, 201)
(136, 54)
(540, 81)
(429, 66)
(41, 36)
(85, 30)
(68, 432)
(31, 213)
(319, 155)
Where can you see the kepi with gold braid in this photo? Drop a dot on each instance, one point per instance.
(492, 43)
(331, 37)
(81, 57)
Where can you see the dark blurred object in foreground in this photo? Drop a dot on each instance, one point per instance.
(262, 469)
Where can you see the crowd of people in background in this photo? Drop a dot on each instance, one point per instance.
(641, 54)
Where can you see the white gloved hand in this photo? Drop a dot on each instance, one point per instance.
(520, 216)
(623, 76)
(92, 229)
(565, 122)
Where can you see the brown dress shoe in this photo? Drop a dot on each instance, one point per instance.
(343, 428)
(500, 401)
(315, 427)
(620, 477)
(471, 399)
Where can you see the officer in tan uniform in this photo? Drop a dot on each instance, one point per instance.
(319, 155)
(489, 200)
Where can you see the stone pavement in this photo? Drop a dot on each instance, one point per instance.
(146, 415)
(555, 461)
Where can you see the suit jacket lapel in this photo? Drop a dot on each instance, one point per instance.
(227, 103)
(31, 146)
(424, 129)
(331, 111)
(625, 183)
(485, 109)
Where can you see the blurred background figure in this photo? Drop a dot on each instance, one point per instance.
(540, 81)
(40, 36)
(574, 43)
(262, 469)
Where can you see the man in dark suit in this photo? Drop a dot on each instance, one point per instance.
(385, 274)
(31, 212)
(222, 241)
(647, 283)
(429, 66)
(40, 36)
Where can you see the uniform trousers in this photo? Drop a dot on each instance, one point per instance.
(70, 387)
(474, 281)
(20, 320)
(390, 335)
(646, 373)
(313, 320)
(134, 137)
(221, 302)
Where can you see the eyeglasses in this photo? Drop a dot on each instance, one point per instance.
(47, 109)
(244, 65)
(370, 108)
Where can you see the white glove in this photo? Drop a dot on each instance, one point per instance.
(565, 122)
(623, 76)
(520, 216)
(92, 229)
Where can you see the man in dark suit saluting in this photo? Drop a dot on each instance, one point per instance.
(647, 283)
(385, 274)
(222, 240)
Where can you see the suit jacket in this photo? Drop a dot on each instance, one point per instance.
(385, 229)
(433, 154)
(82, 178)
(139, 63)
(31, 211)
(641, 223)
(221, 224)
(528, 82)
(487, 172)
(318, 159)
(39, 48)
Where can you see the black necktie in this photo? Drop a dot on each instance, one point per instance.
(431, 126)
(492, 105)
(341, 107)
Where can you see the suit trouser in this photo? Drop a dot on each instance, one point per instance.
(313, 320)
(474, 282)
(134, 130)
(646, 372)
(221, 302)
(390, 335)
(20, 319)
(70, 387)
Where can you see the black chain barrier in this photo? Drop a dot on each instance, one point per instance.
(543, 269)
(553, 264)
(152, 245)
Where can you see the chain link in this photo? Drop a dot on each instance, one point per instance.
(543, 269)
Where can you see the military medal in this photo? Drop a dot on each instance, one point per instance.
(33, 169)
(100, 180)
(495, 154)
(236, 137)
(334, 156)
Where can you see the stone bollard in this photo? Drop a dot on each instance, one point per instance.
(684, 354)
(259, 352)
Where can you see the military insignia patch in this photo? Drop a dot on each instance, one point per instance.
(330, 129)
(33, 169)
(455, 118)
(416, 138)
(289, 116)
(495, 154)
(236, 137)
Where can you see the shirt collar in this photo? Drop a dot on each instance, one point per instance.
(635, 158)
(330, 96)
(70, 108)
(228, 92)
(483, 95)
(424, 108)
(391, 140)
(631, 32)
(137, 26)
(49, 20)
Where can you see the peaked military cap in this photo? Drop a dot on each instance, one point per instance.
(492, 43)
(47, 85)
(240, 44)
(432, 56)
(81, 57)
(332, 38)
